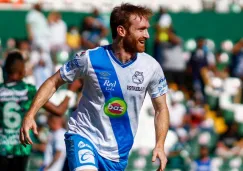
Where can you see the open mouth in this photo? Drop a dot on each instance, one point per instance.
(142, 42)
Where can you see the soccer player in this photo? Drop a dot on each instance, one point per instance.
(116, 78)
(15, 99)
(55, 153)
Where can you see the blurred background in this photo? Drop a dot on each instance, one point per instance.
(199, 44)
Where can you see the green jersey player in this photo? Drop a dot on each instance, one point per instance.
(15, 99)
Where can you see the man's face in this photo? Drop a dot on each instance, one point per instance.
(137, 34)
(19, 74)
(200, 43)
(51, 123)
(204, 152)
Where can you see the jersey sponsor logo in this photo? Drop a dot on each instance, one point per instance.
(10, 139)
(138, 78)
(109, 85)
(104, 75)
(115, 107)
(7, 95)
(134, 88)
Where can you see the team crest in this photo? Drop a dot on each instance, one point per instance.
(138, 78)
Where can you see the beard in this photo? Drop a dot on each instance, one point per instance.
(132, 45)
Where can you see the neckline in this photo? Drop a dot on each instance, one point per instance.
(123, 65)
(13, 83)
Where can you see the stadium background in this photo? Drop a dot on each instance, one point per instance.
(205, 122)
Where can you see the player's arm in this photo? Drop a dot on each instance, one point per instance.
(45, 92)
(157, 89)
(70, 71)
(161, 122)
(57, 110)
(48, 88)
(29, 31)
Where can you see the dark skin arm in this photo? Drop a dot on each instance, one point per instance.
(29, 31)
(61, 108)
(47, 89)
(237, 47)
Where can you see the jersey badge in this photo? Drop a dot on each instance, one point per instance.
(138, 78)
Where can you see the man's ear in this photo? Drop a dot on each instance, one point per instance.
(121, 31)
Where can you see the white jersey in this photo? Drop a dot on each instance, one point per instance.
(113, 95)
(55, 143)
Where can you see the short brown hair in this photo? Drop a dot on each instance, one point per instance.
(120, 16)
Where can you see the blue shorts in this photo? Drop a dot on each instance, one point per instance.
(82, 155)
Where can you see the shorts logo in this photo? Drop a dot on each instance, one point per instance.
(86, 156)
(81, 144)
(115, 107)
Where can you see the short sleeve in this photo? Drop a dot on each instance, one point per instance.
(75, 68)
(157, 85)
(29, 18)
(59, 141)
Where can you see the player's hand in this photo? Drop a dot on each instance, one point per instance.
(27, 124)
(159, 153)
(75, 85)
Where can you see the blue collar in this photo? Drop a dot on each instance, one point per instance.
(123, 65)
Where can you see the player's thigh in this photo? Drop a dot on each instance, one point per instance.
(81, 154)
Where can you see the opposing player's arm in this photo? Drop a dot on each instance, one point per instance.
(161, 122)
(69, 72)
(47, 89)
(57, 110)
(63, 106)
(45, 92)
